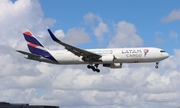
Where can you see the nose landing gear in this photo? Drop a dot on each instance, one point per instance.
(156, 65)
(94, 68)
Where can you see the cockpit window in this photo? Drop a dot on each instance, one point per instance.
(162, 51)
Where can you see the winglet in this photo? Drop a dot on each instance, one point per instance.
(53, 36)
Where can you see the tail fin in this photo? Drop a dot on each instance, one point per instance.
(35, 46)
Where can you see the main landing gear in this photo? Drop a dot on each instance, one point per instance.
(156, 65)
(94, 68)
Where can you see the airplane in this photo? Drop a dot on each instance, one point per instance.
(107, 57)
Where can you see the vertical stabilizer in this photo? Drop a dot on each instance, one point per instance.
(35, 46)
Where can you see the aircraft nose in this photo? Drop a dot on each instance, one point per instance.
(166, 55)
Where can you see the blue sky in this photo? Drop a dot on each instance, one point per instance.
(91, 24)
(145, 15)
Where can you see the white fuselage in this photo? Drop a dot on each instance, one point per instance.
(121, 55)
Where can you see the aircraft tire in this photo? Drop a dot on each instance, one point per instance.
(97, 70)
(156, 67)
(88, 66)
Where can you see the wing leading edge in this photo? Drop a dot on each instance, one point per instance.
(87, 55)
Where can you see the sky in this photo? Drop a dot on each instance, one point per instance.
(91, 24)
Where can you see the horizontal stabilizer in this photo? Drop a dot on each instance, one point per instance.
(27, 53)
(39, 58)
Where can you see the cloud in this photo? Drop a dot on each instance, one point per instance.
(134, 86)
(76, 36)
(90, 18)
(174, 35)
(100, 29)
(18, 76)
(18, 16)
(59, 33)
(158, 33)
(173, 15)
(159, 40)
(125, 36)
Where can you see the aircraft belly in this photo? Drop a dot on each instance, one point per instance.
(69, 59)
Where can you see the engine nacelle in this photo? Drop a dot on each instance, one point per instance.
(113, 65)
(107, 58)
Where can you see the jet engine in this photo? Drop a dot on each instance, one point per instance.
(107, 58)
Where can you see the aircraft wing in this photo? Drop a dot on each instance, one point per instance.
(77, 51)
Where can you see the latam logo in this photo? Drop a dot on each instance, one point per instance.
(145, 52)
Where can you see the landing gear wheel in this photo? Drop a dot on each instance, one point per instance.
(156, 67)
(88, 66)
(94, 68)
(97, 70)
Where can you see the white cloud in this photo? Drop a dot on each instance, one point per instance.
(174, 35)
(18, 16)
(90, 18)
(173, 15)
(125, 36)
(15, 71)
(76, 36)
(160, 40)
(158, 33)
(100, 29)
(59, 33)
